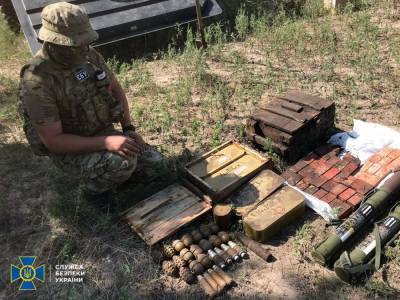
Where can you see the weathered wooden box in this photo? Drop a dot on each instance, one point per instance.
(219, 172)
(292, 125)
(163, 213)
(268, 217)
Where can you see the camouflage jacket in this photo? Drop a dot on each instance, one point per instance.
(77, 96)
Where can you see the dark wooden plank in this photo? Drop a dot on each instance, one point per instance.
(275, 134)
(305, 99)
(286, 113)
(292, 106)
(279, 122)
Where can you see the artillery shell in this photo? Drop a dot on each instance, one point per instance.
(196, 267)
(186, 275)
(179, 261)
(231, 252)
(218, 260)
(214, 228)
(196, 250)
(215, 240)
(168, 250)
(205, 245)
(225, 276)
(241, 252)
(212, 282)
(187, 240)
(205, 231)
(196, 235)
(207, 288)
(224, 236)
(224, 255)
(186, 254)
(178, 245)
(205, 260)
(169, 268)
(220, 282)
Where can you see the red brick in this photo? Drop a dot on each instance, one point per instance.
(329, 185)
(333, 153)
(291, 177)
(298, 166)
(350, 158)
(307, 171)
(385, 151)
(374, 168)
(355, 199)
(344, 209)
(311, 189)
(394, 165)
(320, 166)
(338, 189)
(362, 187)
(346, 194)
(333, 160)
(302, 185)
(341, 164)
(320, 194)
(349, 169)
(328, 198)
(318, 181)
(331, 173)
(385, 161)
(348, 181)
(394, 153)
(371, 179)
(383, 172)
(310, 157)
(375, 158)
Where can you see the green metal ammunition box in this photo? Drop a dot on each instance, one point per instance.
(268, 218)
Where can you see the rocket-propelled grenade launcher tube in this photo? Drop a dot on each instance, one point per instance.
(329, 250)
(351, 266)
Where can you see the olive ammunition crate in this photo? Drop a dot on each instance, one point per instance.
(219, 172)
(272, 214)
(292, 125)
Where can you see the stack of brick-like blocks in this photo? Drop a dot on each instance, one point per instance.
(341, 182)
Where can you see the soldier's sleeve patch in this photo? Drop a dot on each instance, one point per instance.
(81, 75)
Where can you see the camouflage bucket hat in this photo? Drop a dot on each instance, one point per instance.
(66, 24)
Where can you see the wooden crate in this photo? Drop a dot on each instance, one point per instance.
(163, 213)
(292, 125)
(219, 172)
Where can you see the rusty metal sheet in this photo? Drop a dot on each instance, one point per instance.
(225, 168)
(256, 190)
(275, 212)
(163, 213)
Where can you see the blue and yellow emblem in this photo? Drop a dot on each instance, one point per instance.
(27, 273)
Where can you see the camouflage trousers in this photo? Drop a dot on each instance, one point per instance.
(98, 171)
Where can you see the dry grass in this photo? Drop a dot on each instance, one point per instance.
(184, 104)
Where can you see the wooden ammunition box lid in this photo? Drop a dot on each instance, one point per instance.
(292, 111)
(275, 212)
(257, 189)
(223, 169)
(163, 213)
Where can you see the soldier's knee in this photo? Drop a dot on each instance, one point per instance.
(121, 165)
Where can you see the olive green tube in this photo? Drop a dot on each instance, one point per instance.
(387, 229)
(329, 250)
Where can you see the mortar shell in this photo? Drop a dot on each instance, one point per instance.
(242, 253)
(225, 276)
(218, 260)
(231, 252)
(212, 282)
(224, 255)
(220, 282)
(207, 288)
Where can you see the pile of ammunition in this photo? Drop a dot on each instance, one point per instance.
(204, 253)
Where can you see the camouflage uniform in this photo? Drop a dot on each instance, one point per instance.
(77, 94)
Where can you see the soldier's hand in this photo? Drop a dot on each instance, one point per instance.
(139, 140)
(122, 145)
